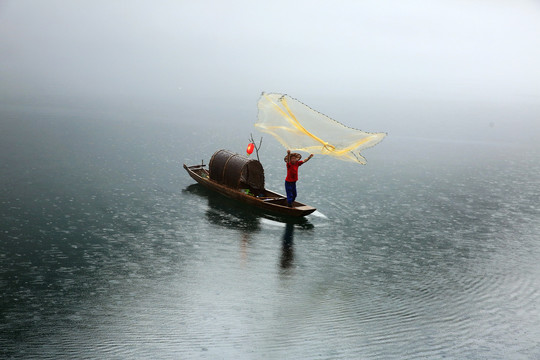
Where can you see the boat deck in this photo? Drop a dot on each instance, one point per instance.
(267, 200)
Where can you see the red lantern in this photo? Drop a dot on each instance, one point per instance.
(250, 148)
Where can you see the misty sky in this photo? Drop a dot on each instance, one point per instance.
(178, 55)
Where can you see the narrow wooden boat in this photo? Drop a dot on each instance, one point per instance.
(243, 189)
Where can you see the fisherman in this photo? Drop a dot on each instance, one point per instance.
(293, 162)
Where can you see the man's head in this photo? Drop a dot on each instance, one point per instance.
(295, 157)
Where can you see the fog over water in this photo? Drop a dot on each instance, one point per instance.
(109, 250)
(453, 67)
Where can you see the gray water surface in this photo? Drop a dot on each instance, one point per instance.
(109, 250)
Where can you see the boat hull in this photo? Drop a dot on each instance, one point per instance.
(269, 201)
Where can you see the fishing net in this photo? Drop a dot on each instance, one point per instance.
(298, 127)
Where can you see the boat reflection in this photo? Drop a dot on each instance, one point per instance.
(224, 211)
(228, 213)
(231, 213)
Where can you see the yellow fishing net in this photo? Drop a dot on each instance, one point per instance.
(298, 127)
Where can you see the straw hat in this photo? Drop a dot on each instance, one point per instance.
(293, 154)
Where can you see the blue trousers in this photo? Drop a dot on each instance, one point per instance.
(290, 187)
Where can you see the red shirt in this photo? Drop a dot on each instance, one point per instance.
(292, 171)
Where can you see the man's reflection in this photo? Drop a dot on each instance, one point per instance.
(287, 247)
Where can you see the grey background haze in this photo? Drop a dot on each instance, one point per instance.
(454, 70)
(108, 247)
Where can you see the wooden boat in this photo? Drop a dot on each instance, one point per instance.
(238, 178)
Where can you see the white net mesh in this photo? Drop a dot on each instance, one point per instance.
(298, 127)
